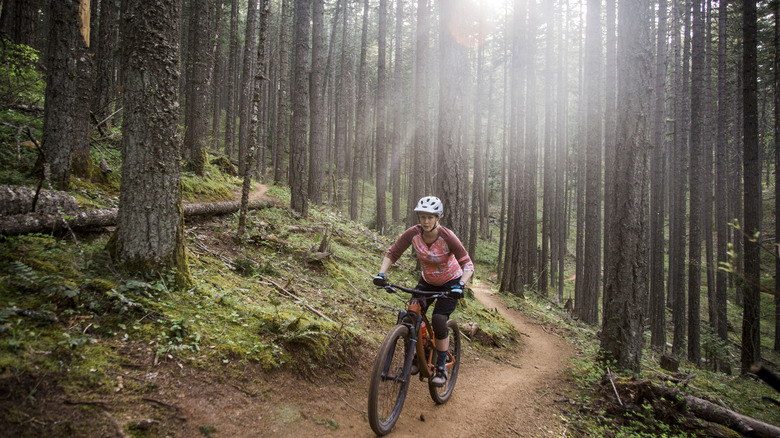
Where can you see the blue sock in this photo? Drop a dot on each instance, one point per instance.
(441, 359)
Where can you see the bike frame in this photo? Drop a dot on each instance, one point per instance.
(413, 317)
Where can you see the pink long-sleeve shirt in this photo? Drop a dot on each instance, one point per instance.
(443, 260)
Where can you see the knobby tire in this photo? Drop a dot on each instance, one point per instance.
(389, 382)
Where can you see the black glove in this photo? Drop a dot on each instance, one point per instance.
(380, 280)
(456, 290)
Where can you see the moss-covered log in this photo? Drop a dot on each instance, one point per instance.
(86, 219)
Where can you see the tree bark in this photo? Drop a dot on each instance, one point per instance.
(776, 10)
(548, 187)
(399, 125)
(104, 88)
(696, 145)
(721, 175)
(421, 150)
(317, 136)
(452, 169)
(150, 229)
(199, 68)
(230, 113)
(300, 109)
(80, 159)
(528, 206)
(283, 104)
(678, 185)
(751, 336)
(381, 115)
(657, 193)
(588, 309)
(362, 138)
(247, 81)
(59, 118)
(254, 112)
(625, 292)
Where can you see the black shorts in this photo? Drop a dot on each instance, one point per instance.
(443, 305)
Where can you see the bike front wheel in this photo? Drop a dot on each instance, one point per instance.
(440, 394)
(389, 381)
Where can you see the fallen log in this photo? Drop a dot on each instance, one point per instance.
(86, 219)
(21, 199)
(707, 410)
(639, 393)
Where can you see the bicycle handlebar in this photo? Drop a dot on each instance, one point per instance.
(391, 288)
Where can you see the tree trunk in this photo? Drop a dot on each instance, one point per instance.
(657, 199)
(511, 281)
(80, 159)
(59, 118)
(476, 188)
(18, 21)
(593, 226)
(381, 116)
(317, 139)
(344, 104)
(678, 187)
(399, 126)
(300, 109)
(104, 88)
(254, 113)
(561, 225)
(217, 74)
(247, 82)
(696, 145)
(197, 115)
(529, 202)
(549, 153)
(625, 292)
(362, 137)
(421, 150)
(579, 252)
(450, 172)
(776, 9)
(707, 172)
(150, 229)
(230, 113)
(283, 104)
(721, 175)
(751, 336)
(610, 90)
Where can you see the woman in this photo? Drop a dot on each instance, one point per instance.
(445, 266)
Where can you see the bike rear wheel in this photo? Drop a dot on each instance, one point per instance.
(440, 394)
(389, 381)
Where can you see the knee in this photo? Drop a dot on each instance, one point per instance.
(439, 323)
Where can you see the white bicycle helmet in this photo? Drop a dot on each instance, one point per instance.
(430, 204)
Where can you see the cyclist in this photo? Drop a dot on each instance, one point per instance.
(446, 266)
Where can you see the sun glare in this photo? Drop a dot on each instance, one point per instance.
(473, 21)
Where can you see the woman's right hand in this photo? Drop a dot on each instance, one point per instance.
(380, 279)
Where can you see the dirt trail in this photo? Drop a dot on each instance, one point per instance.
(519, 397)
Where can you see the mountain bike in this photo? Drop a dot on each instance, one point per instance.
(411, 337)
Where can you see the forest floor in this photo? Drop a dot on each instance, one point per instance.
(520, 391)
(523, 393)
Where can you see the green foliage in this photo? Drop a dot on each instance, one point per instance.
(22, 88)
(19, 77)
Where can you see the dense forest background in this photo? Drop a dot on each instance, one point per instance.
(646, 133)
